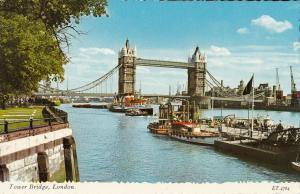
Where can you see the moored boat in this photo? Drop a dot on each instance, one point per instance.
(296, 166)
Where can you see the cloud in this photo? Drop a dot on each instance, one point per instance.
(96, 51)
(263, 63)
(219, 51)
(296, 46)
(242, 31)
(269, 23)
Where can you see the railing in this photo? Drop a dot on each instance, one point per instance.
(9, 127)
(52, 116)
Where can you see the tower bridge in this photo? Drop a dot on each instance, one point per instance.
(198, 78)
(128, 61)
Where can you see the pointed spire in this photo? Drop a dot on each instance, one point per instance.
(196, 55)
(127, 43)
(196, 50)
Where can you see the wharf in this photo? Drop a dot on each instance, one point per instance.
(261, 107)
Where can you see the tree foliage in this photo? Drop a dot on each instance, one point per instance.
(32, 36)
(28, 54)
(58, 16)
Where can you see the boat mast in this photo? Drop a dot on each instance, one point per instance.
(252, 121)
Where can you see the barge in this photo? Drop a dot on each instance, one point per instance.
(123, 109)
(98, 106)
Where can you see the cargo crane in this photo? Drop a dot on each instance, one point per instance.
(278, 91)
(295, 100)
(293, 85)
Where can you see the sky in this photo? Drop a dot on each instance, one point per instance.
(239, 39)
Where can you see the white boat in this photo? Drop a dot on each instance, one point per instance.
(296, 166)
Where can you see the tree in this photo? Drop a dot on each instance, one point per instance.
(33, 34)
(28, 54)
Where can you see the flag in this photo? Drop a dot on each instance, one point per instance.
(248, 87)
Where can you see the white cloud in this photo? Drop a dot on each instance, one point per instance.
(96, 51)
(242, 31)
(219, 51)
(271, 24)
(296, 46)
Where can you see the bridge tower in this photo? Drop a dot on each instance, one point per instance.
(196, 74)
(127, 68)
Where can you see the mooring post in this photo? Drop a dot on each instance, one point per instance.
(31, 123)
(4, 173)
(75, 160)
(43, 166)
(71, 164)
(5, 126)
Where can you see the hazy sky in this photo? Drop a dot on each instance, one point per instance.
(238, 38)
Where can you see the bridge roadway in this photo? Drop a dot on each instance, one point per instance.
(98, 95)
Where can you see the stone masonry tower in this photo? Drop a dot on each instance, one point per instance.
(196, 74)
(127, 57)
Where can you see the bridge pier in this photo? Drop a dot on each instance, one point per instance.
(127, 69)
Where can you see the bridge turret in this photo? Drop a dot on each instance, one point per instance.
(127, 57)
(127, 51)
(196, 74)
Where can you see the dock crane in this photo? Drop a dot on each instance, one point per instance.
(277, 80)
(295, 100)
(278, 91)
(293, 85)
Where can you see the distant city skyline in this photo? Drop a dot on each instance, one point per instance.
(238, 38)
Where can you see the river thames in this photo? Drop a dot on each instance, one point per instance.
(114, 147)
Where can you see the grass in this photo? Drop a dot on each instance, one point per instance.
(19, 117)
(60, 175)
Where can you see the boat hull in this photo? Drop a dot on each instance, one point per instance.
(149, 111)
(204, 141)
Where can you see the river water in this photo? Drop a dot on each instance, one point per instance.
(114, 147)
